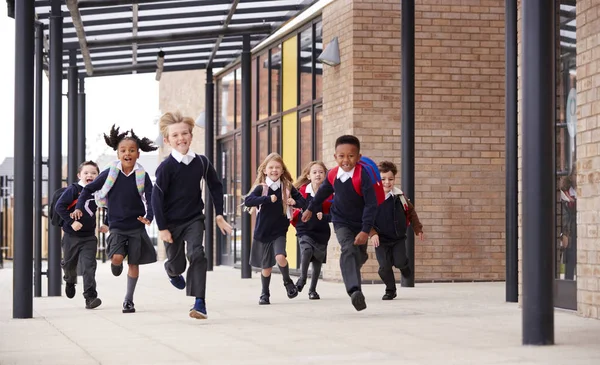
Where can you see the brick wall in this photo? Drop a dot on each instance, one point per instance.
(588, 159)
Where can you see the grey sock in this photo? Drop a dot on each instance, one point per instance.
(285, 272)
(131, 282)
(315, 276)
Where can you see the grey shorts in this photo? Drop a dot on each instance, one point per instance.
(134, 244)
(262, 254)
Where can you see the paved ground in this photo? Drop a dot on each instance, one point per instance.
(431, 324)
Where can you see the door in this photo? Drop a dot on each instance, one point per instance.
(226, 164)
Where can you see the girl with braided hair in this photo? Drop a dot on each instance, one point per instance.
(126, 190)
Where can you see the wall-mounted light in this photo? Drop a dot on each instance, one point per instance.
(160, 64)
(331, 54)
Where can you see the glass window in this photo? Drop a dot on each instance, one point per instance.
(254, 90)
(305, 65)
(275, 68)
(306, 138)
(262, 137)
(276, 137)
(263, 86)
(319, 133)
(238, 98)
(226, 99)
(318, 65)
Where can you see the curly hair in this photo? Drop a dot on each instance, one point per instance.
(114, 138)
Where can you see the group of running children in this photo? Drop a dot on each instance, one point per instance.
(175, 201)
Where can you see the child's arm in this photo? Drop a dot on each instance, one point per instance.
(414, 219)
(215, 187)
(158, 197)
(325, 190)
(300, 201)
(67, 197)
(370, 209)
(87, 192)
(148, 194)
(255, 198)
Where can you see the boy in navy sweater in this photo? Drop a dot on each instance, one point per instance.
(178, 208)
(389, 235)
(352, 215)
(79, 242)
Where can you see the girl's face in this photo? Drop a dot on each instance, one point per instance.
(87, 174)
(273, 170)
(316, 174)
(179, 137)
(128, 153)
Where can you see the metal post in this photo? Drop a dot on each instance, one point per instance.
(2, 227)
(81, 121)
(408, 123)
(208, 151)
(246, 151)
(55, 143)
(512, 188)
(72, 79)
(538, 171)
(23, 186)
(39, 72)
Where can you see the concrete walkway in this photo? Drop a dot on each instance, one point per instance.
(431, 324)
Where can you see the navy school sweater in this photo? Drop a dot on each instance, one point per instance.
(271, 222)
(123, 201)
(349, 209)
(316, 229)
(177, 194)
(390, 222)
(88, 221)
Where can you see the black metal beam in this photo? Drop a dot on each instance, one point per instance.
(116, 70)
(188, 67)
(246, 151)
(408, 123)
(39, 74)
(81, 140)
(72, 94)
(23, 187)
(538, 170)
(82, 4)
(55, 144)
(209, 131)
(152, 53)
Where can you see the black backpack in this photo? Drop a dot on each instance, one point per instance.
(54, 217)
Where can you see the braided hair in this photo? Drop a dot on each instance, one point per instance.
(114, 138)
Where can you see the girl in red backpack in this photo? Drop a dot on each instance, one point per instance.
(314, 234)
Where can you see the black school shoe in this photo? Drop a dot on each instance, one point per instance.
(70, 290)
(264, 299)
(91, 303)
(116, 270)
(313, 295)
(358, 300)
(291, 290)
(300, 284)
(389, 295)
(128, 306)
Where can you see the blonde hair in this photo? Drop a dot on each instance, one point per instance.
(285, 178)
(303, 179)
(169, 118)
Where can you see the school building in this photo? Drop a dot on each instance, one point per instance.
(300, 105)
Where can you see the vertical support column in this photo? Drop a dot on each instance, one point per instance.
(73, 159)
(408, 122)
(538, 171)
(39, 72)
(512, 188)
(81, 121)
(23, 187)
(55, 143)
(209, 128)
(246, 151)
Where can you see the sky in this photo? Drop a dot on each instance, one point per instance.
(129, 101)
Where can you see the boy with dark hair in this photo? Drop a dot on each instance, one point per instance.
(389, 235)
(352, 214)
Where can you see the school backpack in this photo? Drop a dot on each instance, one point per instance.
(298, 212)
(265, 192)
(372, 170)
(400, 194)
(55, 218)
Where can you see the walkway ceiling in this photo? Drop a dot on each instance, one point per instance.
(113, 37)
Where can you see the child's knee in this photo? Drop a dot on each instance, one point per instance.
(266, 272)
(117, 259)
(281, 260)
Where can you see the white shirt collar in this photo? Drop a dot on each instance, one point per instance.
(186, 159)
(273, 185)
(309, 190)
(136, 167)
(82, 183)
(390, 194)
(343, 175)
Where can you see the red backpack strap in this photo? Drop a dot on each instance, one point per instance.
(302, 190)
(332, 175)
(357, 179)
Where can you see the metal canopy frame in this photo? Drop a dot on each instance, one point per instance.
(114, 37)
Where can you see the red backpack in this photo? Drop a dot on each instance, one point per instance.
(297, 212)
(372, 170)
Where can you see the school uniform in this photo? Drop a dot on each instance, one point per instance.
(178, 206)
(314, 235)
(350, 214)
(128, 236)
(79, 246)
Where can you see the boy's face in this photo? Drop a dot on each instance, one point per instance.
(347, 156)
(179, 137)
(128, 153)
(87, 174)
(273, 170)
(388, 179)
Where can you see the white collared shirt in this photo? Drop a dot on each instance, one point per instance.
(343, 175)
(136, 167)
(273, 185)
(186, 159)
(82, 183)
(389, 194)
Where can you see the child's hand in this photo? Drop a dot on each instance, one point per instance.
(76, 226)
(273, 198)
(76, 214)
(144, 220)
(103, 229)
(375, 240)
(291, 202)
(420, 236)
(165, 236)
(320, 215)
(361, 238)
(306, 215)
(223, 225)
